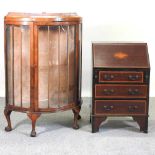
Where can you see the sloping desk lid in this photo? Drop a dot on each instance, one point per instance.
(120, 55)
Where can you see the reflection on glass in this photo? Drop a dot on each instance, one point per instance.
(80, 59)
(9, 61)
(71, 63)
(54, 59)
(18, 65)
(25, 66)
(43, 65)
(56, 65)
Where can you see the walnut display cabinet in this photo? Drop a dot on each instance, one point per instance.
(43, 64)
(121, 73)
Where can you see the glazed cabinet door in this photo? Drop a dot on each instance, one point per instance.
(17, 60)
(56, 66)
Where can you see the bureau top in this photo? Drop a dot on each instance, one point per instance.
(120, 55)
(25, 17)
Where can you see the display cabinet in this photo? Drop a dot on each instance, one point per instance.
(43, 64)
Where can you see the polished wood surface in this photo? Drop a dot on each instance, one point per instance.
(121, 76)
(43, 64)
(120, 91)
(120, 85)
(56, 17)
(120, 55)
(120, 107)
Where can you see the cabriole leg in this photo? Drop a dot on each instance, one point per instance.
(79, 117)
(33, 117)
(76, 117)
(7, 114)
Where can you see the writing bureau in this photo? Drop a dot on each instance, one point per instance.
(121, 74)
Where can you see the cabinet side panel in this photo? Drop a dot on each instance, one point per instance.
(43, 66)
(63, 67)
(9, 61)
(17, 65)
(80, 61)
(53, 66)
(71, 63)
(25, 66)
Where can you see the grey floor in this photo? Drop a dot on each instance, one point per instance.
(117, 136)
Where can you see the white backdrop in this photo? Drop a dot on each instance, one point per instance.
(103, 20)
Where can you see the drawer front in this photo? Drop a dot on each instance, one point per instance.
(120, 91)
(121, 76)
(120, 107)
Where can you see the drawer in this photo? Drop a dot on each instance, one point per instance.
(121, 76)
(120, 91)
(120, 107)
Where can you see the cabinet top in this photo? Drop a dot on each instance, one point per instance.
(120, 55)
(57, 17)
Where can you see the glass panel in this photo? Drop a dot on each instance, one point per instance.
(25, 66)
(54, 66)
(80, 58)
(9, 61)
(43, 55)
(17, 65)
(71, 64)
(63, 66)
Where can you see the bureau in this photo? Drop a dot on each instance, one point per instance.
(120, 85)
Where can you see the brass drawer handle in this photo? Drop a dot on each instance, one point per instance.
(108, 77)
(108, 91)
(133, 77)
(132, 108)
(133, 92)
(108, 108)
